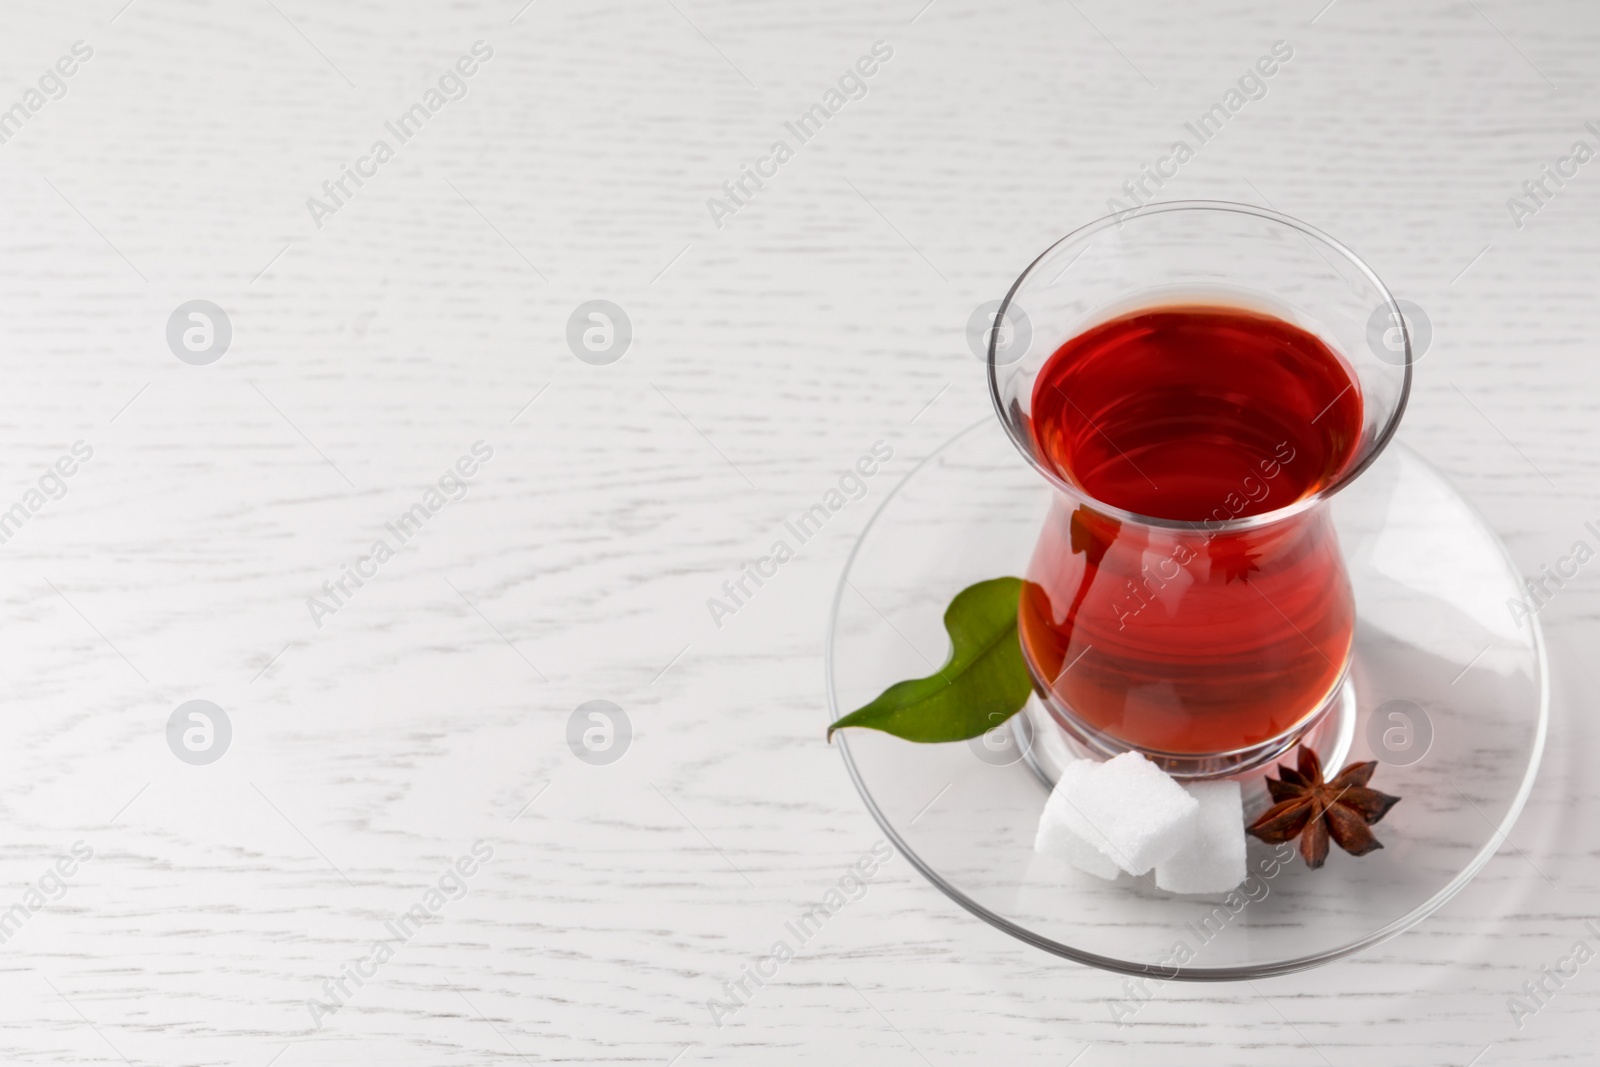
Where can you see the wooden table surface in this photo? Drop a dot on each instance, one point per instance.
(391, 735)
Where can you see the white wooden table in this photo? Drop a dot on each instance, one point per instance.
(223, 903)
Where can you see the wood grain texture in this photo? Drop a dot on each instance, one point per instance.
(368, 354)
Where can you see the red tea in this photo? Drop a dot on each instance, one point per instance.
(1177, 640)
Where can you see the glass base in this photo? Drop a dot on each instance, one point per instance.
(1445, 689)
(1048, 743)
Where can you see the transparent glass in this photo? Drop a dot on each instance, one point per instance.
(1210, 644)
(1449, 692)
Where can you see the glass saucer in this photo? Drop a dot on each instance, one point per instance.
(1447, 690)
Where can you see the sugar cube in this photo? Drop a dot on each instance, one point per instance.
(1212, 859)
(1129, 809)
(1055, 839)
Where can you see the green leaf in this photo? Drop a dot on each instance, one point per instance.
(983, 684)
(1092, 533)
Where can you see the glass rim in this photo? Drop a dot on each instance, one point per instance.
(1208, 527)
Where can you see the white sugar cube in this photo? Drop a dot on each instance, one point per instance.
(1129, 809)
(1212, 860)
(1055, 839)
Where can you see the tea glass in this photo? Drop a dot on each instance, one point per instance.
(1210, 645)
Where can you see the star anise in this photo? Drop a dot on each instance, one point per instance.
(1234, 560)
(1314, 810)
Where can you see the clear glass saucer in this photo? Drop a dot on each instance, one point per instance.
(1447, 690)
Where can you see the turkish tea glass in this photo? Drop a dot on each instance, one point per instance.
(1212, 645)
